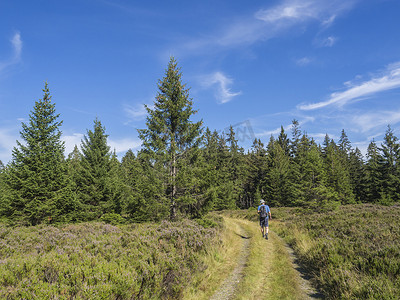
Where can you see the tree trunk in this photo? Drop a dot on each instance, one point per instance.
(173, 188)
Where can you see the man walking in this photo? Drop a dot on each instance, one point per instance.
(265, 214)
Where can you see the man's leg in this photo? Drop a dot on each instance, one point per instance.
(267, 228)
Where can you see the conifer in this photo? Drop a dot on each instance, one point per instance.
(38, 181)
(170, 132)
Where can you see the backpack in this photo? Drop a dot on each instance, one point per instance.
(263, 211)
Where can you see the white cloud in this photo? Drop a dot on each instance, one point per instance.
(8, 138)
(304, 61)
(123, 145)
(222, 82)
(327, 42)
(390, 79)
(304, 10)
(289, 10)
(16, 43)
(269, 23)
(136, 112)
(71, 141)
(378, 119)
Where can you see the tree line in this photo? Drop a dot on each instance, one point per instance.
(184, 168)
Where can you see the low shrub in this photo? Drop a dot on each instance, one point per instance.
(102, 261)
(352, 252)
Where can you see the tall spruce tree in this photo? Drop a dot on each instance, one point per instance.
(373, 174)
(37, 178)
(257, 169)
(337, 170)
(97, 189)
(278, 183)
(357, 174)
(236, 168)
(170, 133)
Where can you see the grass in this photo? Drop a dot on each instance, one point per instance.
(269, 273)
(220, 262)
(101, 261)
(353, 252)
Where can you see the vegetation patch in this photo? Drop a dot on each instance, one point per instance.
(102, 261)
(352, 252)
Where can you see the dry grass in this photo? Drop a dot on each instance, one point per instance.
(220, 264)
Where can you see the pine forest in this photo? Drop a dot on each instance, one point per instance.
(184, 169)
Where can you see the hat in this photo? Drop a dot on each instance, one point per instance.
(262, 201)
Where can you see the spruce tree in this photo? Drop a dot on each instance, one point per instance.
(132, 172)
(313, 188)
(284, 142)
(373, 174)
(357, 174)
(257, 164)
(337, 171)
(96, 186)
(278, 184)
(170, 132)
(236, 168)
(37, 179)
(390, 150)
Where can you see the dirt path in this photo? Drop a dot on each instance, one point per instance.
(229, 286)
(281, 268)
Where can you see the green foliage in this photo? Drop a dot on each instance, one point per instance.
(352, 252)
(179, 171)
(170, 134)
(39, 189)
(97, 180)
(101, 261)
(112, 218)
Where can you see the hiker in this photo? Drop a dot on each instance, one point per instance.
(265, 214)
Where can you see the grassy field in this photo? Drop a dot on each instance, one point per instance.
(352, 252)
(101, 261)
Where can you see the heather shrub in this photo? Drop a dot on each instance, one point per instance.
(101, 261)
(352, 252)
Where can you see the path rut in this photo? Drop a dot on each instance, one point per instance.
(228, 287)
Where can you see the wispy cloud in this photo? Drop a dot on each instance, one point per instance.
(304, 61)
(268, 23)
(16, 43)
(378, 119)
(222, 84)
(389, 79)
(326, 42)
(296, 11)
(136, 112)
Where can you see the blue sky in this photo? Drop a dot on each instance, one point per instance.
(257, 65)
